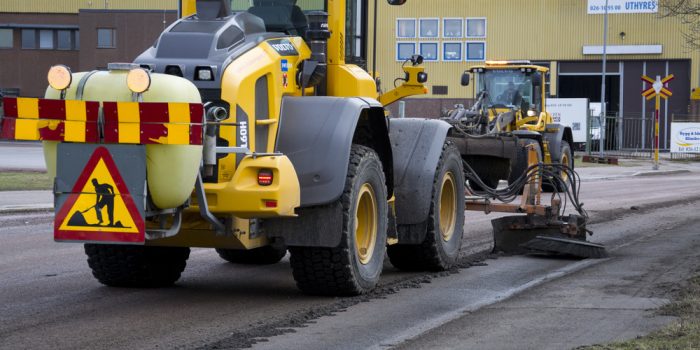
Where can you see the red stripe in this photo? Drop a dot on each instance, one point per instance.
(52, 109)
(8, 118)
(111, 127)
(9, 106)
(196, 119)
(92, 111)
(154, 116)
(7, 128)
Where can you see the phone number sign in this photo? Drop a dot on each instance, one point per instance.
(597, 7)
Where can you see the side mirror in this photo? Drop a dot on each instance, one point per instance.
(396, 2)
(416, 60)
(466, 78)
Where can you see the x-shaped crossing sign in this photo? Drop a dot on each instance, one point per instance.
(659, 87)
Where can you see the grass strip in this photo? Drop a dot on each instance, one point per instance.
(24, 181)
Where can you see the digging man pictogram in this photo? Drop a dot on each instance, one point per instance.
(105, 198)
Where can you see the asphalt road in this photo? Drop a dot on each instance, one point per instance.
(16, 156)
(48, 297)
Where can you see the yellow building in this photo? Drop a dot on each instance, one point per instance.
(567, 35)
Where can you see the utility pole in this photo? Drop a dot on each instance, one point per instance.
(603, 106)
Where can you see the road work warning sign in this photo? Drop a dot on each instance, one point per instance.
(100, 206)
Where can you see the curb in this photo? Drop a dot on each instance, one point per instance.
(33, 208)
(661, 172)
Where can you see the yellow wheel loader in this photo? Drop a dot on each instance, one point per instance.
(511, 100)
(245, 129)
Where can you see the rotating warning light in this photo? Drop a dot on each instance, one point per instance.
(60, 77)
(138, 80)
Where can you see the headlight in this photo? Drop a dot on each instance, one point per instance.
(60, 77)
(204, 73)
(138, 80)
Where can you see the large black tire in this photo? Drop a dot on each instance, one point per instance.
(136, 266)
(443, 241)
(266, 255)
(346, 270)
(520, 165)
(567, 158)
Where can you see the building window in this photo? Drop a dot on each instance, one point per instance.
(452, 28)
(64, 40)
(6, 41)
(451, 51)
(440, 90)
(28, 39)
(429, 51)
(46, 39)
(404, 51)
(429, 27)
(405, 28)
(476, 27)
(106, 38)
(476, 51)
(77, 40)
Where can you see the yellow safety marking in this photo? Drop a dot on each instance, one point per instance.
(90, 207)
(179, 126)
(27, 124)
(129, 122)
(76, 115)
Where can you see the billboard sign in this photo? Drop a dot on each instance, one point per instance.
(571, 112)
(597, 7)
(685, 137)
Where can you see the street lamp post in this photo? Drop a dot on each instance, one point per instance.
(603, 106)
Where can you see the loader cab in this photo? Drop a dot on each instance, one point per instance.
(289, 17)
(512, 86)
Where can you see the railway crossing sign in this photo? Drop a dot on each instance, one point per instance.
(659, 89)
(99, 208)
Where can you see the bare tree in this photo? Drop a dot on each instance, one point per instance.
(688, 11)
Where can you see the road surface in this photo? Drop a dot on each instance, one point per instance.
(48, 297)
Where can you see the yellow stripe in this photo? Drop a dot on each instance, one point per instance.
(76, 115)
(129, 122)
(27, 125)
(179, 126)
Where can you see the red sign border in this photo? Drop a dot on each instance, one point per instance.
(100, 236)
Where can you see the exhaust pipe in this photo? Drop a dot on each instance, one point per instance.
(214, 115)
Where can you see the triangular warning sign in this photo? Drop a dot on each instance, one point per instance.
(100, 207)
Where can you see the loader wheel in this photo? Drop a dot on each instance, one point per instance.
(520, 165)
(136, 266)
(259, 256)
(567, 159)
(443, 241)
(354, 266)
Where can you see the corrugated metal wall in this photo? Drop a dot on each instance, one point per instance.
(529, 29)
(73, 6)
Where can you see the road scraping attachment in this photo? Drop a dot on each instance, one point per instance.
(542, 230)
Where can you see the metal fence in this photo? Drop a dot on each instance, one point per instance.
(628, 136)
(632, 135)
